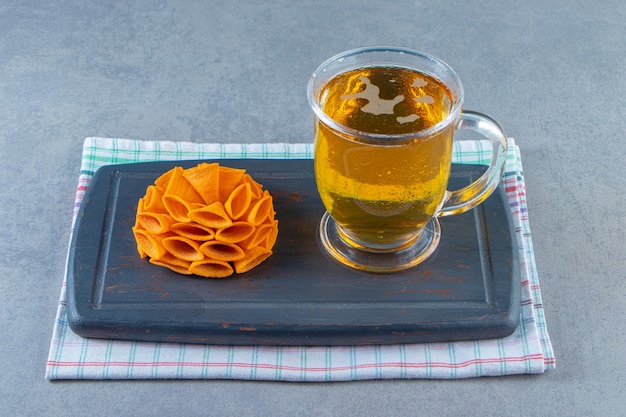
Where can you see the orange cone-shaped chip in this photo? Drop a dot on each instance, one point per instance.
(183, 248)
(270, 241)
(164, 179)
(155, 222)
(194, 231)
(260, 210)
(149, 244)
(153, 200)
(205, 178)
(261, 232)
(253, 257)
(236, 233)
(255, 187)
(222, 251)
(172, 262)
(180, 197)
(230, 178)
(238, 201)
(211, 268)
(213, 215)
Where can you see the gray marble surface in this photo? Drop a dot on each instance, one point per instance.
(553, 73)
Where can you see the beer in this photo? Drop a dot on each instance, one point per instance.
(381, 194)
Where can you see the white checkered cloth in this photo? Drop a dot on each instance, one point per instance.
(527, 351)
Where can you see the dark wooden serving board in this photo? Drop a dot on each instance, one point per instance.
(469, 289)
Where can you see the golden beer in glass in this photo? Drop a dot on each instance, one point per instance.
(384, 127)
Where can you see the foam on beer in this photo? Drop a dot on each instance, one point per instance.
(377, 105)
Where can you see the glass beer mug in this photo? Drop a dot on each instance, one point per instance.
(385, 119)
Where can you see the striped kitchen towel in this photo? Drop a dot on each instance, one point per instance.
(527, 351)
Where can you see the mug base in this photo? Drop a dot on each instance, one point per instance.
(406, 257)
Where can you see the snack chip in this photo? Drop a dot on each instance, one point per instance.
(208, 220)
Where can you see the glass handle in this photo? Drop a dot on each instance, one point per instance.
(468, 197)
